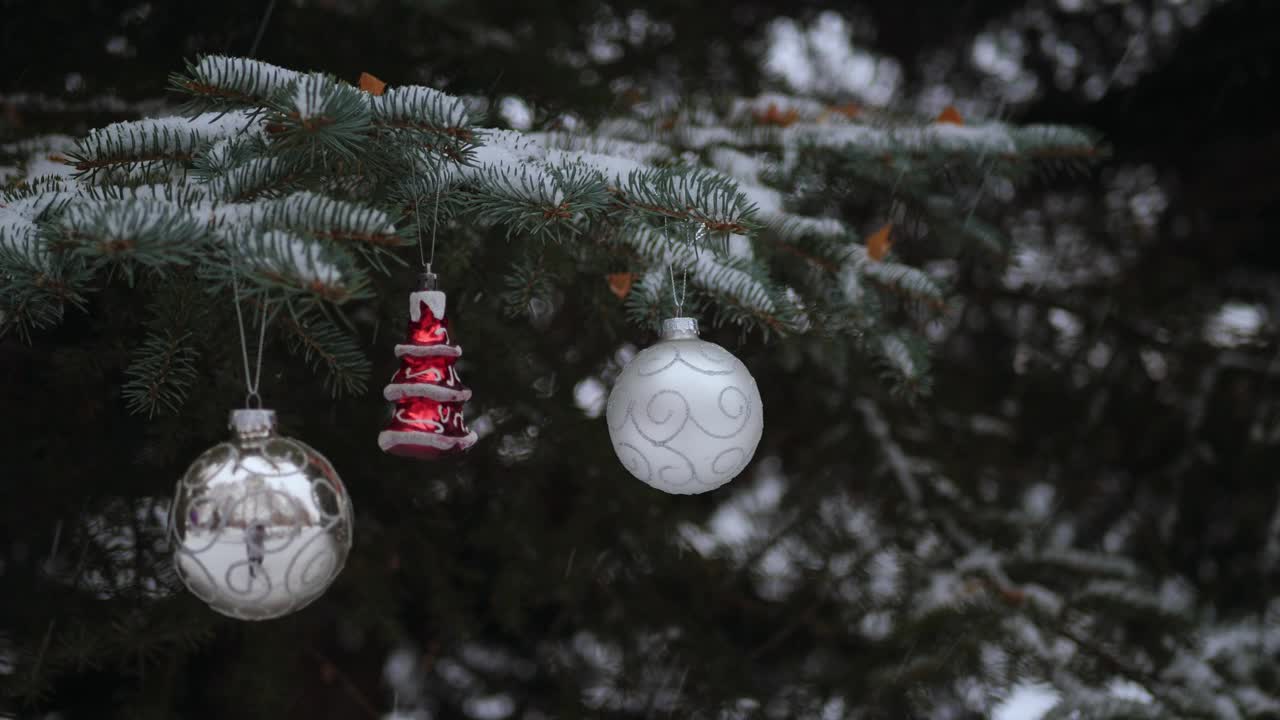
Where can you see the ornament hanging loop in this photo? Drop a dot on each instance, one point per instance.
(435, 215)
(251, 380)
(678, 299)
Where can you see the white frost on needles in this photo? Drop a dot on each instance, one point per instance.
(128, 218)
(32, 207)
(18, 234)
(513, 164)
(640, 152)
(897, 354)
(420, 105)
(284, 250)
(252, 78)
(746, 169)
(992, 138)
(746, 109)
(319, 212)
(706, 269)
(740, 165)
(160, 138)
(311, 95)
(305, 212)
(614, 170)
(902, 277)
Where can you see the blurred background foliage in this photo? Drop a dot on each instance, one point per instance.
(1112, 387)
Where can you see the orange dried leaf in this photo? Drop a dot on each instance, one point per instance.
(774, 116)
(371, 84)
(620, 283)
(879, 242)
(1013, 596)
(849, 110)
(950, 115)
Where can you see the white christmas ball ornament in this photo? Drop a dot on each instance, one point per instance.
(685, 415)
(260, 525)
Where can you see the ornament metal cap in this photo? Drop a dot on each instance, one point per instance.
(427, 280)
(250, 423)
(679, 328)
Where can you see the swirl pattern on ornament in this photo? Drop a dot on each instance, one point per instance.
(708, 360)
(259, 532)
(684, 416)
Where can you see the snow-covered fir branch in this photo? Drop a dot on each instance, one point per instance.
(300, 183)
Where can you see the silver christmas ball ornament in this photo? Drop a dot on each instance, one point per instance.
(261, 525)
(685, 415)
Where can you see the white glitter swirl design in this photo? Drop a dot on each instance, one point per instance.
(260, 531)
(685, 416)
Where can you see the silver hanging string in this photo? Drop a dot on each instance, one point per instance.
(678, 299)
(435, 214)
(262, 28)
(251, 381)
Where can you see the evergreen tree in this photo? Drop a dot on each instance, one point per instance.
(904, 545)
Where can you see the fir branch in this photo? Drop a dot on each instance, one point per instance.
(160, 374)
(216, 82)
(131, 234)
(326, 347)
(603, 146)
(906, 361)
(147, 143)
(191, 197)
(741, 290)
(318, 116)
(287, 262)
(255, 178)
(899, 278)
(36, 285)
(689, 194)
(529, 287)
(424, 110)
(533, 198)
(337, 220)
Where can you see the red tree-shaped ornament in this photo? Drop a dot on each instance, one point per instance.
(428, 394)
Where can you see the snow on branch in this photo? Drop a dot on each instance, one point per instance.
(747, 169)
(184, 195)
(639, 152)
(236, 82)
(293, 263)
(36, 206)
(690, 193)
(422, 108)
(1088, 563)
(897, 277)
(787, 107)
(252, 179)
(1137, 600)
(905, 361)
(327, 218)
(284, 253)
(19, 236)
(155, 140)
(735, 279)
(317, 113)
(999, 141)
(531, 197)
(511, 167)
(131, 233)
(992, 139)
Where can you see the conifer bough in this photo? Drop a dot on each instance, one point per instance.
(298, 185)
